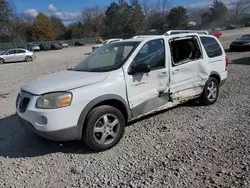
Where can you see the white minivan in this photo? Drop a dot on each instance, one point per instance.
(120, 82)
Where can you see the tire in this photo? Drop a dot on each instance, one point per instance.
(210, 93)
(28, 59)
(2, 61)
(99, 136)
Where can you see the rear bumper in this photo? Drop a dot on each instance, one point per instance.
(223, 78)
(58, 135)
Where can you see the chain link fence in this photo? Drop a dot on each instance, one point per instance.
(6, 46)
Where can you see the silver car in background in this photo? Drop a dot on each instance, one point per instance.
(15, 55)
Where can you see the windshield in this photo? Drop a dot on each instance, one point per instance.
(245, 37)
(107, 58)
(105, 42)
(2, 53)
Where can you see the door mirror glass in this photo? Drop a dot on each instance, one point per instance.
(139, 68)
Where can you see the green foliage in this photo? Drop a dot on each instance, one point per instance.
(42, 27)
(177, 17)
(59, 28)
(123, 18)
(218, 11)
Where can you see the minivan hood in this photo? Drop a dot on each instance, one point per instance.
(63, 81)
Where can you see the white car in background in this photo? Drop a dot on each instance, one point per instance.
(106, 42)
(64, 44)
(15, 55)
(33, 47)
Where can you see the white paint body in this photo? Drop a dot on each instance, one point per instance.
(184, 82)
(16, 55)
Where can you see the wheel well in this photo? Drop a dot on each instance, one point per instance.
(115, 103)
(216, 77)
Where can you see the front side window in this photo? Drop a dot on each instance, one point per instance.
(11, 52)
(211, 46)
(107, 58)
(152, 53)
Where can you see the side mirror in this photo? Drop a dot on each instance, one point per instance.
(139, 68)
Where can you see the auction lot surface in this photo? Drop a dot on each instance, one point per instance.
(188, 146)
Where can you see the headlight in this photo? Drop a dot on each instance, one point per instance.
(54, 100)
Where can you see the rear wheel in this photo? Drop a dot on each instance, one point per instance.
(211, 92)
(28, 59)
(1, 61)
(104, 128)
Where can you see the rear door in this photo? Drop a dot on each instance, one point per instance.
(214, 52)
(20, 55)
(188, 72)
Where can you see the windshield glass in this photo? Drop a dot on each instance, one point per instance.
(107, 58)
(245, 37)
(105, 42)
(2, 53)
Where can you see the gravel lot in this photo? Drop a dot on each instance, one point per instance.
(189, 146)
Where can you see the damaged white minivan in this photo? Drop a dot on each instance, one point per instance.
(120, 82)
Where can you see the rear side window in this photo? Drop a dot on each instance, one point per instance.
(211, 46)
(20, 51)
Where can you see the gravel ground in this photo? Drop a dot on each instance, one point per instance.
(188, 146)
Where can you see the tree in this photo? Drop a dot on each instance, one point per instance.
(59, 28)
(119, 18)
(177, 17)
(156, 20)
(137, 19)
(42, 27)
(218, 12)
(240, 7)
(93, 19)
(205, 18)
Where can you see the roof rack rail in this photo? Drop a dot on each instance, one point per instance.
(143, 36)
(172, 32)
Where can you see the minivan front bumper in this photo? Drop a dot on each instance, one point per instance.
(58, 135)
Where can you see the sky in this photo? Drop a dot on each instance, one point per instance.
(69, 10)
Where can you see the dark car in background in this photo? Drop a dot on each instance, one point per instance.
(44, 47)
(247, 24)
(241, 44)
(79, 43)
(56, 46)
(231, 26)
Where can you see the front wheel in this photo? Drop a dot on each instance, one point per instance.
(28, 59)
(104, 128)
(210, 93)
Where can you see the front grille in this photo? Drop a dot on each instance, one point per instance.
(23, 104)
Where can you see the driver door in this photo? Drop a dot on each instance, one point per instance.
(10, 56)
(147, 91)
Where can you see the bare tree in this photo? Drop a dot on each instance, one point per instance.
(145, 7)
(93, 19)
(165, 4)
(162, 5)
(241, 7)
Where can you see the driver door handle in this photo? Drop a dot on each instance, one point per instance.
(162, 74)
(175, 71)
